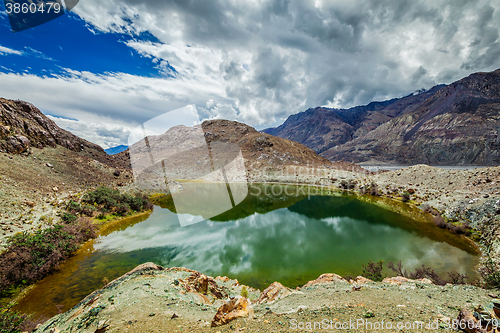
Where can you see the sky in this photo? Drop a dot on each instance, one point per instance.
(109, 66)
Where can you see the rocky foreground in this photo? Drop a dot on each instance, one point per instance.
(151, 298)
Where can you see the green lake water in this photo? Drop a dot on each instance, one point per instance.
(266, 238)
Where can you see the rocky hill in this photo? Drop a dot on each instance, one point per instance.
(456, 124)
(196, 152)
(323, 128)
(459, 125)
(42, 164)
(23, 126)
(260, 148)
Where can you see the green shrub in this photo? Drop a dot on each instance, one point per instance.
(244, 292)
(373, 270)
(73, 206)
(109, 200)
(10, 321)
(490, 273)
(122, 209)
(14, 322)
(30, 256)
(68, 217)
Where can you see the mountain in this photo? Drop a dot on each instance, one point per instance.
(23, 126)
(457, 124)
(323, 128)
(115, 150)
(185, 148)
(42, 164)
(195, 152)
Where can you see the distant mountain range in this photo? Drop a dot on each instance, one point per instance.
(116, 150)
(24, 127)
(456, 124)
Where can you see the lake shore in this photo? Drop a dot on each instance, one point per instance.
(153, 298)
(461, 196)
(455, 199)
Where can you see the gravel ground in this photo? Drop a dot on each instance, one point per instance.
(32, 187)
(150, 300)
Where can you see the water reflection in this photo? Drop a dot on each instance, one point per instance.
(267, 238)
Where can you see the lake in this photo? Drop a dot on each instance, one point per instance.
(286, 236)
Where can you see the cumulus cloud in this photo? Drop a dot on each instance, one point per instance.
(105, 133)
(260, 61)
(112, 100)
(307, 53)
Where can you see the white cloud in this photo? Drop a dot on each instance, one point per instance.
(114, 102)
(105, 133)
(6, 50)
(260, 61)
(301, 54)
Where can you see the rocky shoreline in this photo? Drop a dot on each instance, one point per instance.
(470, 196)
(151, 298)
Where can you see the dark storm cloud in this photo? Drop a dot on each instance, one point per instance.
(260, 61)
(306, 53)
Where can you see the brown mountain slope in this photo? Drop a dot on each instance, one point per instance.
(23, 126)
(458, 125)
(42, 164)
(323, 128)
(188, 153)
(260, 148)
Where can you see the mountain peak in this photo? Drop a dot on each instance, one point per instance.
(23, 126)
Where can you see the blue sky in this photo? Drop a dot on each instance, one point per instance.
(110, 65)
(67, 42)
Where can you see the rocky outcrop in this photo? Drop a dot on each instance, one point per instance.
(203, 284)
(235, 307)
(23, 126)
(318, 129)
(326, 279)
(274, 292)
(458, 125)
(399, 280)
(151, 297)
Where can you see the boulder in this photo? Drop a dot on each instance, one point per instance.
(399, 280)
(470, 323)
(325, 279)
(203, 284)
(235, 307)
(360, 280)
(272, 293)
